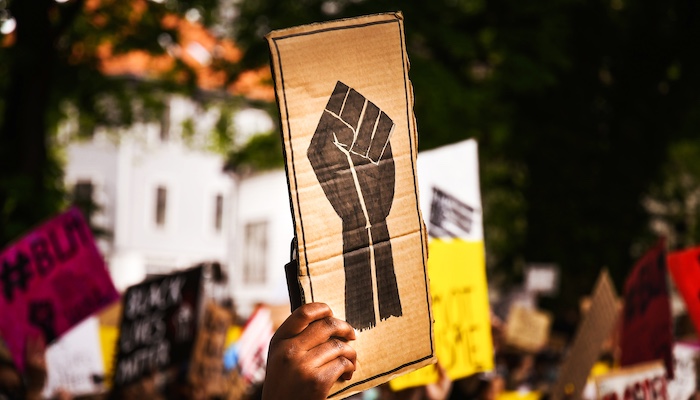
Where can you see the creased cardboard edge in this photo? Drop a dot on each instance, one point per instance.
(382, 378)
(602, 283)
(304, 279)
(316, 26)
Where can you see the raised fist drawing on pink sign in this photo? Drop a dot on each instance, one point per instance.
(351, 155)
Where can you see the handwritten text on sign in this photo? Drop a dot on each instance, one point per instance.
(460, 305)
(158, 325)
(643, 381)
(50, 280)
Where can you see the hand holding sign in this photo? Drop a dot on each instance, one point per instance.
(308, 354)
(351, 156)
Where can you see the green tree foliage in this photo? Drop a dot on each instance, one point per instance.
(674, 198)
(574, 104)
(52, 59)
(262, 152)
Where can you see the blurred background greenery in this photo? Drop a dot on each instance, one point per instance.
(586, 111)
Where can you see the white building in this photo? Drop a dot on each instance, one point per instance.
(166, 201)
(261, 236)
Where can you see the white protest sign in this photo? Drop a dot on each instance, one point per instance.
(74, 362)
(645, 381)
(683, 384)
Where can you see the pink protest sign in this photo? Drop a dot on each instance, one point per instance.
(50, 280)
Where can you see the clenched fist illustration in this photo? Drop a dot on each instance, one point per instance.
(351, 155)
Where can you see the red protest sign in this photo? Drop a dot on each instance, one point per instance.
(647, 325)
(685, 271)
(50, 280)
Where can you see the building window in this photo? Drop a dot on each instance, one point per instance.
(219, 212)
(83, 193)
(165, 123)
(161, 203)
(255, 253)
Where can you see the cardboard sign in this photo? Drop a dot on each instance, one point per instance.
(456, 266)
(647, 325)
(645, 381)
(684, 267)
(349, 134)
(207, 367)
(527, 328)
(74, 363)
(158, 325)
(595, 328)
(50, 280)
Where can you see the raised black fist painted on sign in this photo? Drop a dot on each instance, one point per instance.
(351, 155)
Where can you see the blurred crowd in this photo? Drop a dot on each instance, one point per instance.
(515, 372)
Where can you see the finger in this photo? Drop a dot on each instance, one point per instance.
(385, 126)
(330, 350)
(336, 369)
(301, 318)
(334, 129)
(335, 103)
(323, 329)
(366, 129)
(352, 109)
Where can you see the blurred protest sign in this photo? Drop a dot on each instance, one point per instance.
(253, 345)
(51, 279)
(595, 328)
(207, 365)
(109, 334)
(684, 267)
(450, 195)
(74, 362)
(158, 325)
(237, 386)
(519, 395)
(646, 381)
(542, 279)
(647, 325)
(350, 145)
(684, 384)
(527, 328)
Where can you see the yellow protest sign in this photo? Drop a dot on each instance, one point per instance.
(456, 266)
(108, 342)
(516, 395)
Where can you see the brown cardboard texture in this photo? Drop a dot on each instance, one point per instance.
(527, 329)
(590, 336)
(349, 133)
(207, 365)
